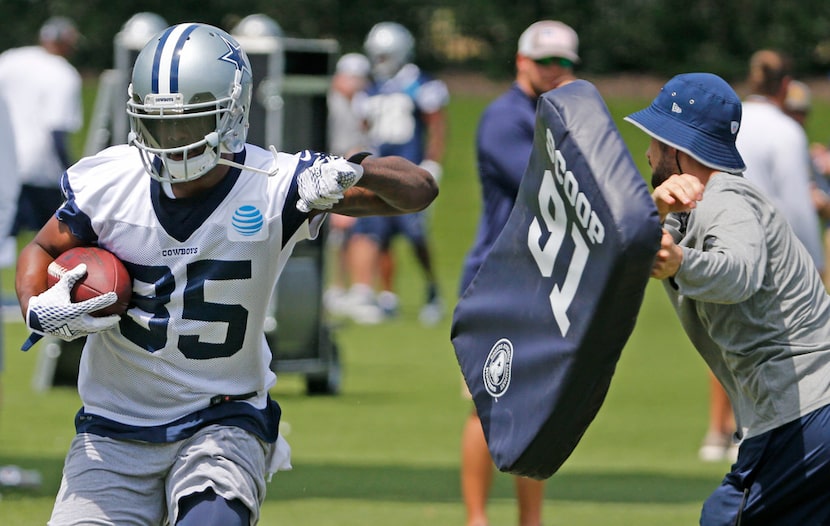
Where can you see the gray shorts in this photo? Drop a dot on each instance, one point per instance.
(108, 481)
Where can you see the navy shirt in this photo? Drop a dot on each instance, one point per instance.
(504, 141)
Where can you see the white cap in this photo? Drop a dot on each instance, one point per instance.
(549, 38)
(353, 64)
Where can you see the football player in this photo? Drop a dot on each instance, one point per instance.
(176, 422)
(404, 112)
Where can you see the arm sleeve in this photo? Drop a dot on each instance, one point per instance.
(504, 149)
(73, 217)
(432, 96)
(60, 140)
(726, 254)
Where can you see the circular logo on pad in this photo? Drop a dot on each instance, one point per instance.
(496, 371)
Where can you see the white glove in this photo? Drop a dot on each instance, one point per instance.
(433, 167)
(52, 312)
(322, 185)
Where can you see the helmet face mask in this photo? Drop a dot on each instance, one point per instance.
(167, 131)
(389, 47)
(189, 101)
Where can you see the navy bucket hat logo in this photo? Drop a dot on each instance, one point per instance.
(699, 114)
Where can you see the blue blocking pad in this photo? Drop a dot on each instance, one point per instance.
(540, 328)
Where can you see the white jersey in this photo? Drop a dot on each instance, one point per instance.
(8, 169)
(775, 150)
(43, 93)
(203, 273)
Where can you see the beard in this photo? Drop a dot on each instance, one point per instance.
(662, 171)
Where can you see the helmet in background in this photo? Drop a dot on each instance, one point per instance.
(189, 101)
(139, 29)
(389, 47)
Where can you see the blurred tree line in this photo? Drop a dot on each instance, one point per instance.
(644, 36)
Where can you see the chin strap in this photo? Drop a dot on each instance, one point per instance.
(275, 171)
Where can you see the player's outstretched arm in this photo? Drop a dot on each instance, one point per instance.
(389, 185)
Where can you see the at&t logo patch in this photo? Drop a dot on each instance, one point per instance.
(497, 368)
(247, 223)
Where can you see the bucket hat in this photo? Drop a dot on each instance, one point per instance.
(699, 114)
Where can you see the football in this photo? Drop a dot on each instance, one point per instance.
(104, 273)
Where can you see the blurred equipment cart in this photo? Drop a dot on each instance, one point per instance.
(299, 337)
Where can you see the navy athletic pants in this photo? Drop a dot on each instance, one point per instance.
(781, 478)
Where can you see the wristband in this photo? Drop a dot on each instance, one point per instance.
(358, 157)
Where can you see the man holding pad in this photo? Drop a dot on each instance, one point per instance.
(751, 301)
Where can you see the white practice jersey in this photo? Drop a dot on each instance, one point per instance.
(203, 273)
(43, 94)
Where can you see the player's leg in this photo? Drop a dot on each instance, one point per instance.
(530, 494)
(387, 298)
(208, 509)
(337, 242)
(221, 469)
(717, 444)
(476, 471)
(106, 481)
(363, 260)
(363, 257)
(364, 250)
(414, 227)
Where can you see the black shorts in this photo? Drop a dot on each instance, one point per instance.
(35, 206)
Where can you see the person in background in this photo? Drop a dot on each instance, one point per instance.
(798, 105)
(346, 131)
(43, 92)
(10, 475)
(347, 136)
(41, 95)
(776, 150)
(404, 111)
(547, 52)
(8, 199)
(750, 299)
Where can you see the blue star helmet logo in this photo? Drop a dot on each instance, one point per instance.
(234, 56)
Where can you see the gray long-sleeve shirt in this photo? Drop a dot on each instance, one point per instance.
(751, 301)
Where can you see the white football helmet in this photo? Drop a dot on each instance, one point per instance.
(189, 101)
(390, 47)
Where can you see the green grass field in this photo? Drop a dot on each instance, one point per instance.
(386, 450)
